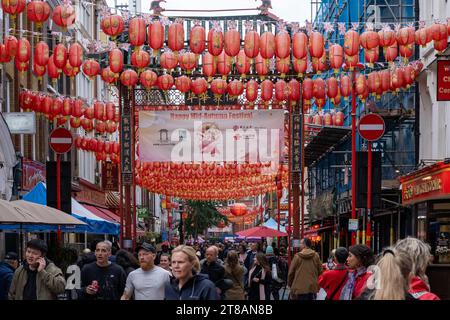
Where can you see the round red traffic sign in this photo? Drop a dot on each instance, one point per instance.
(61, 140)
(371, 127)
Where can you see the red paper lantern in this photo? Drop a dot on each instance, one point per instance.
(148, 79)
(100, 126)
(168, 60)
(251, 91)
(52, 70)
(11, 45)
(307, 89)
(369, 40)
(100, 147)
(110, 109)
(396, 80)
(251, 44)
(13, 7)
(76, 55)
(267, 45)
(99, 110)
(327, 119)
(140, 59)
(199, 86)
(116, 60)
(20, 66)
(215, 42)
(183, 84)
(87, 125)
(46, 105)
(136, 32)
(351, 43)
(111, 126)
(421, 37)
(67, 107)
(91, 68)
(156, 35)
(300, 66)
(266, 91)
(238, 209)
(55, 109)
(175, 39)
(374, 82)
(232, 42)
(197, 39)
(282, 44)
(218, 87)
(346, 86)
(64, 15)
(338, 119)
(406, 36)
(243, 64)
(440, 45)
(129, 78)
(261, 66)
(391, 52)
(75, 123)
(41, 53)
(112, 25)
(299, 45)
(39, 71)
(281, 90)
(361, 85)
(70, 71)
(60, 56)
(4, 55)
(318, 119)
(319, 64)
(406, 51)
(332, 88)
(351, 61)
(208, 65)
(316, 45)
(108, 76)
(188, 61)
(77, 108)
(386, 37)
(371, 55)
(336, 55)
(438, 32)
(282, 66)
(319, 88)
(235, 88)
(165, 82)
(23, 50)
(385, 77)
(224, 64)
(409, 76)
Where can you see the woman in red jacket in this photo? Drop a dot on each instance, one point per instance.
(332, 281)
(360, 257)
(420, 253)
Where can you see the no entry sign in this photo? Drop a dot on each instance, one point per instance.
(61, 140)
(371, 127)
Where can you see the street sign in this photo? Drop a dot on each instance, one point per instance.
(352, 224)
(371, 127)
(61, 140)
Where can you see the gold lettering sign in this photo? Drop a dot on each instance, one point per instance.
(424, 187)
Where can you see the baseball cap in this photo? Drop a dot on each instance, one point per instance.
(147, 247)
(11, 256)
(38, 244)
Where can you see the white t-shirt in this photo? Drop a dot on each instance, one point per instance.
(147, 285)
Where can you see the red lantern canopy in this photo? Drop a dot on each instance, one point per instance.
(136, 32)
(156, 36)
(11, 45)
(267, 45)
(52, 70)
(108, 76)
(243, 64)
(175, 39)
(307, 89)
(281, 90)
(235, 89)
(261, 66)
(4, 55)
(266, 91)
(39, 71)
(23, 50)
(165, 82)
(299, 45)
(112, 25)
(91, 68)
(140, 59)
(60, 56)
(346, 86)
(332, 88)
(199, 86)
(316, 45)
(148, 79)
(251, 44)
(13, 7)
(232, 42)
(251, 91)
(294, 90)
(116, 60)
(168, 60)
(238, 209)
(64, 15)
(188, 61)
(183, 84)
(406, 36)
(300, 66)
(351, 43)
(129, 78)
(224, 64)
(215, 41)
(197, 39)
(369, 40)
(41, 53)
(336, 55)
(76, 55)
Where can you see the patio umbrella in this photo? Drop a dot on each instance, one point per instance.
(262, 232)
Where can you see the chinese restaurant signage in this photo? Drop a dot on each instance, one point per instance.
(443, 80)
(110, 177)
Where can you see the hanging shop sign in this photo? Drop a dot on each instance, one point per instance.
(427, 184)
(110, 176)
(21, 122)
(443, 80)
(352, 224)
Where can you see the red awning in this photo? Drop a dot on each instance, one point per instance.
(103, 213)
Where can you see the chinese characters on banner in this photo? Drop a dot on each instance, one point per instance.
(443, 80)
(126, 140)
(296, 137)
(110, 178)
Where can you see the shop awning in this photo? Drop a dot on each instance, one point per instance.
(323, 141)
(102, 213)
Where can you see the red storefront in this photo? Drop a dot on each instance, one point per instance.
(428, 191)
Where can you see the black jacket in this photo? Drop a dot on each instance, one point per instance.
(6, 276)
(111, 281)
(199, 287)
(214, 270)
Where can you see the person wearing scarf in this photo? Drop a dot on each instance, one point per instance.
(259, 279)
(359, 259)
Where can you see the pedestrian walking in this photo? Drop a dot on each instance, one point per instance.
(127, 261)
(277, 281)
(332, 281)
(235, 272)
(304, 272)
(251, 254)
(188, 283)
(7, 268)
(213, 267)
(360, 257)
(420, 254)
(259, 279)
(102, 279)
(242, 253)
(149, 281)
(38, 278)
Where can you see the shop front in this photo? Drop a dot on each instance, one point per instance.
(427, 191)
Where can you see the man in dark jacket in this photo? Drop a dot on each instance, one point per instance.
(7, 268)
(211, 267)
(251, 254)
(304, 271)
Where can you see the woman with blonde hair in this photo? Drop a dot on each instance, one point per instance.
(420, 254)
(188, 283)
(235, 272)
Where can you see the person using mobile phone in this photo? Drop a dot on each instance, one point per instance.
(38, 278)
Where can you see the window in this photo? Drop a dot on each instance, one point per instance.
(85, 13)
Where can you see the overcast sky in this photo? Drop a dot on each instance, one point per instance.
(288, 10)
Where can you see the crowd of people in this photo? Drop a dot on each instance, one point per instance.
(220, 271)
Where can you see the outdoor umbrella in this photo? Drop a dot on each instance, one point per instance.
(262, 232)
